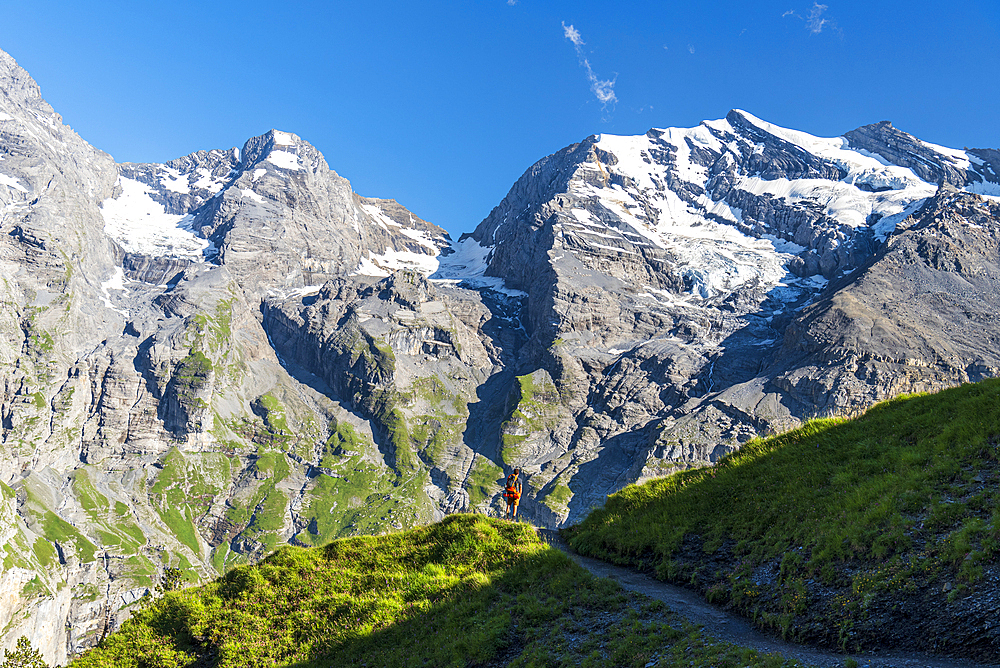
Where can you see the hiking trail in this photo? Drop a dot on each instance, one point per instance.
(733, 628)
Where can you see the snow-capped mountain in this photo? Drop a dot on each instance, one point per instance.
(246, 207)
(669, 277)
(210, 357)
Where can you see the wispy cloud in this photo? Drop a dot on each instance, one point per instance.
(603, 89)
(814, 20)
(511, 2)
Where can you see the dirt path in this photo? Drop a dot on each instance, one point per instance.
(735, 629)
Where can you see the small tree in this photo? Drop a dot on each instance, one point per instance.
(23, 656)
(172, 579)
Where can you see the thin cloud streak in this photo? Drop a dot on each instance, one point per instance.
(603, 89)
(814, 21)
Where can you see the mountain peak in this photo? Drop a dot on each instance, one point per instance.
(16, 83)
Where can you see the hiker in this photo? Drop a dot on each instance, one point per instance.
(512, 493)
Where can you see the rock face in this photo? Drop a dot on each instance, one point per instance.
(208, 358)
(692, 288)
(922, 314)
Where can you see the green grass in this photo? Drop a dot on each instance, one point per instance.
(467, 591)
(343, 439)
(365, 499)
(263, 515)
(485, 480)
(59, 530)
(193, 369)
(559, 497)
(44, 552)
(274, 416)
(893, 493)
(535, 407)
(183, 488)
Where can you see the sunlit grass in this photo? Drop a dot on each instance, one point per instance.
(468, 591)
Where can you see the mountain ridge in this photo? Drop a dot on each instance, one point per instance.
(241, 352)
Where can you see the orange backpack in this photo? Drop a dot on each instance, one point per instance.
(512, 491)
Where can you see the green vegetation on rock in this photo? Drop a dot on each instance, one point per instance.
(343, 439)
(59, 530)
(362, 499)
(464, 592)
(262, 515)
(535, 402)
(558, 497)
(44, 552)
(192, 371)
(484, 481)
(275, 420)
(185, 487)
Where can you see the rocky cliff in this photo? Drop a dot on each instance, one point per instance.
(207, 358)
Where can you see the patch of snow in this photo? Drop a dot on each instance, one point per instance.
(297, 292)
(283, 138)
(5, 117)
(468, 260)
(815, 281)
(376, 213)
(420, 237)
(582, 215)
(956, 157)
(116, 282)
(11, 182)
(887, 225)
(614, 248)
(208, 182)
(246, 192)
(284, 160)
(468, 264)
(257, 173)
(984, 188)
(394, 259)
(783, 246)
(140, 225)
(368, 268)
(174, 181)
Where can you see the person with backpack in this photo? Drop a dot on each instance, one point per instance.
(512, 493)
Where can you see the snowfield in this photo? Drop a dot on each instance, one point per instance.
(140, 225)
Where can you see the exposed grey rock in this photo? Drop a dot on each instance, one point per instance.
(921, 316)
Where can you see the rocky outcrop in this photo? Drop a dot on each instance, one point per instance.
(900, 148)
(921, 316)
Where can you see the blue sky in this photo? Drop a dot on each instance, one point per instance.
(442, 105)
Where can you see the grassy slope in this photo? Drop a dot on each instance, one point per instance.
(468, 591)
(825, 531)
